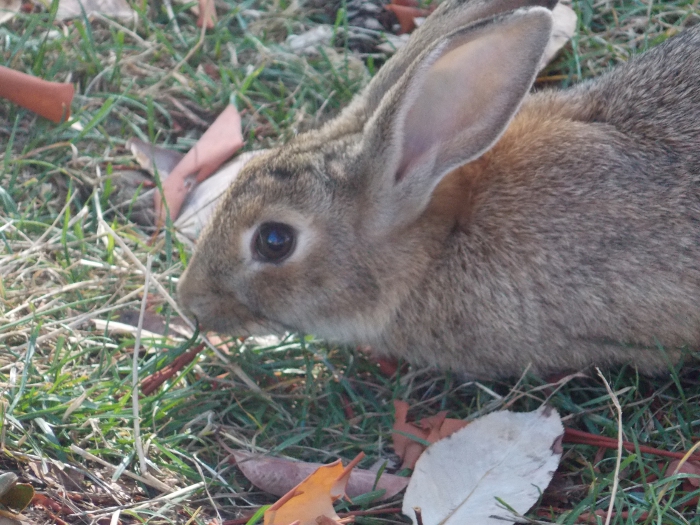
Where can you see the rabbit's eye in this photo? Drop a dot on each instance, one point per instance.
(274, 241)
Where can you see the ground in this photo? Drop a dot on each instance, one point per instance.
(66, 385)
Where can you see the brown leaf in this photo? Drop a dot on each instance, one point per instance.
(277, 476)
(218, 143)
(687, 467)
(407, 16)
(152, 158)
(430, 429)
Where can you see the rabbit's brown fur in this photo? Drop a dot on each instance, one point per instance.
(573, 240)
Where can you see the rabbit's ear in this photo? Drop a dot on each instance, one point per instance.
(449, 16)
(450, 106)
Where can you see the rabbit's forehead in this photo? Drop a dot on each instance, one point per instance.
(303, 182)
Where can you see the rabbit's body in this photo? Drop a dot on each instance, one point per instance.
(573, 240)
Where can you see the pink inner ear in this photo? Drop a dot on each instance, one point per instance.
(464, 99)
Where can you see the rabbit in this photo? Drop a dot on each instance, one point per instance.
(451, 217)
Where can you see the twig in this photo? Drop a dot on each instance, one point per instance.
(150, 480)
(173, 20)
(155, 380)
(188, 112)
(419, 515)
(76, 321)
(135, 371)
(579, 437)
(120, 27)
(155, 87)
(36, 245)
(171, 496)
(166, 295)
(616, 478)
(54, 291)
(33, 152)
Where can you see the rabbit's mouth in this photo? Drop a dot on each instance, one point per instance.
(260, 325)
(226, 318)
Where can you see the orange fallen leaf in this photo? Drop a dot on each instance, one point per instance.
(51, 100)
(311, 501)
(218, 143)
(429, 430)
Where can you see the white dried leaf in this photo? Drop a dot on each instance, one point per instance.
(563, 28)
(201, 202)
(308, 41)
(393, 43)
(116, 9)
(506, 455)
(8, 9)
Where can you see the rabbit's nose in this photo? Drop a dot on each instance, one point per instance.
(187, 311)
(188, 291)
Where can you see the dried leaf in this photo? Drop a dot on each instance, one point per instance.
(393, 43)
(429, 430)
(51, 100)
(151, 383)
(8, 9)
(308, 41)
(218, 143)
(13, 495)
(505, 455)
(117, 9)
(201, 202)
(7, 481)
(564, 27)
(687, 467)
(407, 16)
(153, 159)
(311, 501)
(278, 476)
(18, 497)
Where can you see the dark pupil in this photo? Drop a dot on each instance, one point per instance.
(274, 241)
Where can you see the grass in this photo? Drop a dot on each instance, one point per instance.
(64, 382)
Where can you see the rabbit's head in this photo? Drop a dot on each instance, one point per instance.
(329, 233)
